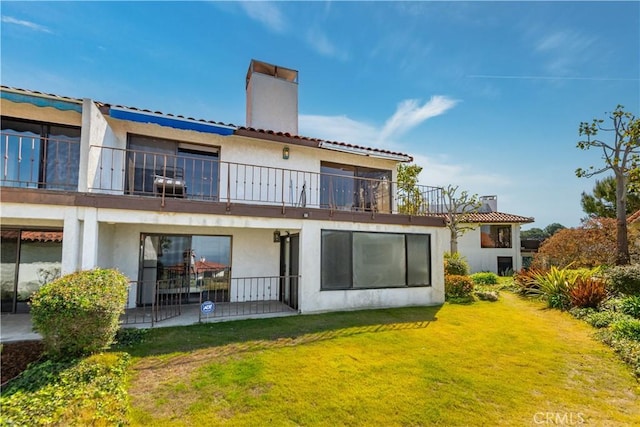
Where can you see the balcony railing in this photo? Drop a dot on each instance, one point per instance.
(33, 161)
(119, 171)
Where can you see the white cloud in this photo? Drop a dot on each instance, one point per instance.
(564, 50)
(410, 114)
(267, 13)
(26, 24)
(321, 44)
(338, 128)
(439, 172)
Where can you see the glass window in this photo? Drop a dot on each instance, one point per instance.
(349, 187)
(39, 155)
(336, 260)
(177, 169)
(418, 264)
(378, 260)
(495, 236)
(360, 260)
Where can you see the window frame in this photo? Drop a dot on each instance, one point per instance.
(494, 231)
(351, 233)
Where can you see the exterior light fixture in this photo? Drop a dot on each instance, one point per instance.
(285, 153)
(276, 236)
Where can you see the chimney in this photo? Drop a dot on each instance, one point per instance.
(489, 204)
(272, 97)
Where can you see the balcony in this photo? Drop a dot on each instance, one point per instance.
(132, 172)
(33, 161)
(53, 164)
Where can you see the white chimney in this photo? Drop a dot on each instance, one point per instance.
(489, 204)
(272, 97)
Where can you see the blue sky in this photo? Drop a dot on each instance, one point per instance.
(484, 95)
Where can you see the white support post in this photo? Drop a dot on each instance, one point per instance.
(70, 241)
(90, 239)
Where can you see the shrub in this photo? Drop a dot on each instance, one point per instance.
(587, 292)
(602, 319)
(625, 279)
(455, 264)
(456, 286)
(631, 306)
(627, 328)
(628, 350)
(554, 287)
(525, 282)
(485, 278)
(91, 391)
(78, 313)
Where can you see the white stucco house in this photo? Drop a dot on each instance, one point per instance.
(254, 216)
(494, 242)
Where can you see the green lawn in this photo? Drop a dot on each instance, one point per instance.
(506, 363)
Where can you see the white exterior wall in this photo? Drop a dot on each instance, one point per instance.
(110, 238)
(313, 299)
(486, 259)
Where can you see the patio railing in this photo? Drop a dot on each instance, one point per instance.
(118, 171)
(235, 297)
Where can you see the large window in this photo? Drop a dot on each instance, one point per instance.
(159, 166)
(184, 261)
(360, 260)
(349, 187)
(39, 155)
(495, 236)
(30, 258)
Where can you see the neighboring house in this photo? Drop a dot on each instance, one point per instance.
(272, 217)
(494, 242)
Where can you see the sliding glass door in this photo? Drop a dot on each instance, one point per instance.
(30, 258)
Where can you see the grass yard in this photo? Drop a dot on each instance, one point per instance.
(506, 363)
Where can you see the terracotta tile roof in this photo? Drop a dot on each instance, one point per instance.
(34, 236)
(496, 217)
(239, 130)
(209, 265)
(634, 217)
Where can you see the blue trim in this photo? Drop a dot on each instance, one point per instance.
(38, 101)
(141, 117)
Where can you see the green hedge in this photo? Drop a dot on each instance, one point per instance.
(485, 278)
(78, 314)
(625, 279)
(89, 391)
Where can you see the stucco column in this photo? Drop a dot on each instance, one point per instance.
(70, 241)
(90, 239)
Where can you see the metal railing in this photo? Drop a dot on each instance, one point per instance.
(248, 296)
(119, 171)
(155, 301)
(34, 161)
(235, 297)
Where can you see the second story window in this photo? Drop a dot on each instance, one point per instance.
(495, 236)
(158, 166)
(39, 155)
(349, 187)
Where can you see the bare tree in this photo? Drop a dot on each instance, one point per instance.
(458, 208)
(622, 157)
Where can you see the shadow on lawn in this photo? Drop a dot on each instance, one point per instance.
(255, 334)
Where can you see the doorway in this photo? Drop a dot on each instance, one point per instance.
(289, 269)
(505, 265)
(30, 258)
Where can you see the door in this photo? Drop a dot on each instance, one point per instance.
(30, 258)
(289, 269)
(505, 265)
